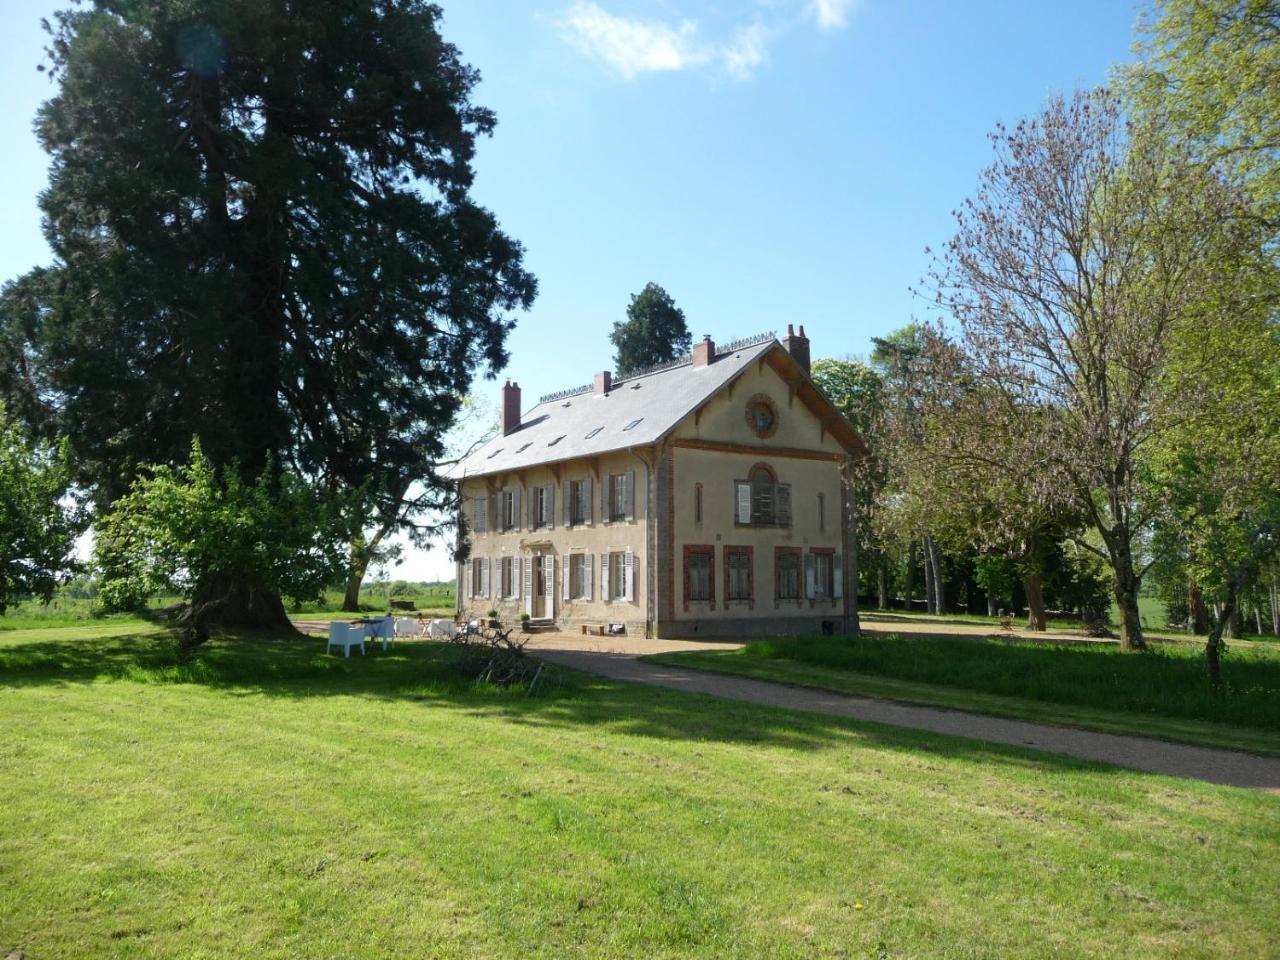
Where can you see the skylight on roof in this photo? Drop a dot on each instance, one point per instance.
(593, 432)
(494, 454)
(525, 447)
(552, 443)
(633, 423)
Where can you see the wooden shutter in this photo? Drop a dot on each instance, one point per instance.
(743, 491)
(515, 506)
(837, 575)
(606, 485)
(549, 577)
(810, 576)
(629, 577)
(532, 495)
(782, 504)
(588, 505)
(630, 497)
(466, 578)
(527, 576)
(549, 491)
(588, 575)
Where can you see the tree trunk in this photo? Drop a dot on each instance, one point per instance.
(991, 604)
(1257, 617)
(1037, 619)
(1198, 618)
(1126, 594)
(1234, 627)
(1213, 646)
(930, 601)
(230, 602)
(910, 586)
(882, 585)
(939, 590)
(1275, 607)
(355, 579)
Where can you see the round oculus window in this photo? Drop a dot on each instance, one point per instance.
(762, 416)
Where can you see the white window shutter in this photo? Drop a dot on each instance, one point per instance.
(744, 501)
(588, 577)
(630, 498)
(588, 505)
(810, 576)
(526, 574)
(549, 578)
(629, 577)
(466, 578)
(566, 569)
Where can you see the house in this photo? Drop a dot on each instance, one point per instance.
(706, 497)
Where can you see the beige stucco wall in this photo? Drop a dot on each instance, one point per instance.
(724, 421)
(597, 539)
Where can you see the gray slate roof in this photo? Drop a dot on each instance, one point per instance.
(562, 429)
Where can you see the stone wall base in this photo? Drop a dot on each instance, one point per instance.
(753, 627)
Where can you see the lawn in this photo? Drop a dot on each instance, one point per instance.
(269, 801)
(1164, 692)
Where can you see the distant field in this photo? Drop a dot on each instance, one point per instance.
(272, 802)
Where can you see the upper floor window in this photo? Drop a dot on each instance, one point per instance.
(480, 515)
(697, 503)
(509, 510)
(542, 507)
(822, 512)
(578, 501)
(761, 500)
(619, 496)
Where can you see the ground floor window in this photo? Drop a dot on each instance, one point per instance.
(699, 575)
(480, 576)
(580, 576)
(619, 575)
(509, 577)
(823, 587)
(739, 578)
(786, 565)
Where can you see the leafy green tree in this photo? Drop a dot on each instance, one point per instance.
(995, 575)
(263, 237)
(234, 547)
(37, 533)
(654, 332)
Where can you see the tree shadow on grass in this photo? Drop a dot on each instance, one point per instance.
(421, 672)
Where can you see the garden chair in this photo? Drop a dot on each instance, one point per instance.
(345, 635)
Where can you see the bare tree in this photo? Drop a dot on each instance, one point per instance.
(1085, 251)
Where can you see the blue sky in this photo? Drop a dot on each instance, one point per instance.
(768, 162)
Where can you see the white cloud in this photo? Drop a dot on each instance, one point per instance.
(831, 14)
(748, 50)
(632, 47)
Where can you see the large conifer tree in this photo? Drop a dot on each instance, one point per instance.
(263, 238)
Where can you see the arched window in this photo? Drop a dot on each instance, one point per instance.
(761, 500)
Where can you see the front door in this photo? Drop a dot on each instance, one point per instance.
(540, 586)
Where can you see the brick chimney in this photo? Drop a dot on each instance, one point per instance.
(604, 383)
(797, 344)
(704, 351)
(510, 407)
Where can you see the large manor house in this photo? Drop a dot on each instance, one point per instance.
(703, 498)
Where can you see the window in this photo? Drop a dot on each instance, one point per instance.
(579, 502)
(524, 446)
(823, 580)
(619, 496)
(738, 574)
(697, 503)
(509, 510)
(543, 507)
(480, 576)
(761, 501)
(762, 416)
(580, 576)
(552, 443)
(786, 565)
(633, 424)
(619, 575)
(594, 431)
(509, 577)
(480, 515)
(822, 512)
(699, 575)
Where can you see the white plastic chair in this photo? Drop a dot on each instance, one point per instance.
(346, 636)
(383, 628)
(407, 627)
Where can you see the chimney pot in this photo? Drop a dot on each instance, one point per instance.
(604, 383)
(797, 344)
(510, 407)
(704, 351)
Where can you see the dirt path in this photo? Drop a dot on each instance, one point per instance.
(617, 659)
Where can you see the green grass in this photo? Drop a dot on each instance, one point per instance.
(269, 801)
(1163, 693)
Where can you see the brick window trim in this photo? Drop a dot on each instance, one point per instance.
(750, 599)
(829, 597)
(710, 551)
(798, 553)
